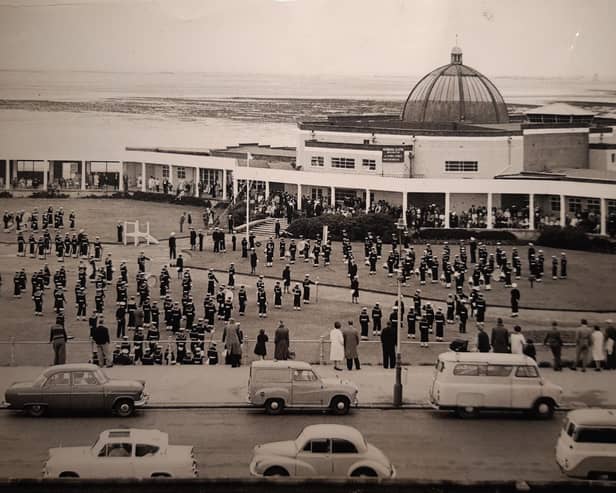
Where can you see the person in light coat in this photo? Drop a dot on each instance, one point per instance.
(336, 350)
(597, 347)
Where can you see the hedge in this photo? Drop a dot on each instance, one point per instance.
(357, 227)
(50, 194)
(159, 197)
(574, 239)
(5, 195)
(465, 234)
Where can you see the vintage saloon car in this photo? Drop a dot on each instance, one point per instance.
(322, 451)
(126, 453)
(76, 387)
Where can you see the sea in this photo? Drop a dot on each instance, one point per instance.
(84, 115)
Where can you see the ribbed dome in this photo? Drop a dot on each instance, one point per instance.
(455, 93)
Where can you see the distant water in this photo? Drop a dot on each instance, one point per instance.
(92, 112)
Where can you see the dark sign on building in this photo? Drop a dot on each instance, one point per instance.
(393, 154)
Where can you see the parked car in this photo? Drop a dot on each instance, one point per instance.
(125, 453)
(470, 382)
(586, 447)
(322, 451)
(76, 387)
(276, 385)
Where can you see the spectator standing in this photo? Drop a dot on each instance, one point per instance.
(182, 221)
(554, 341)
(58, 338)
(351, 341)
(483, 341)
(610, 342)
(281, 342)
(598, 347)
(515, 300)
(101, 339)
(582, 344)
(388, 343)
(260, 346)
(336, 348)
(500, 338)
(233, 344)
(517, 341)
(172, 246)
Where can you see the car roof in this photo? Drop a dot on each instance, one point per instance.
(139, 435)
(593, 417)
(71, 367)
(492, 358)
(295, 365)
(333, 431)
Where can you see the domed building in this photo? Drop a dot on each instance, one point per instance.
(455, 93)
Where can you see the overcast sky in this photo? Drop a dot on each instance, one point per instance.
(380, 37)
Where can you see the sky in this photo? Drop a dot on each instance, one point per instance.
(552, 38)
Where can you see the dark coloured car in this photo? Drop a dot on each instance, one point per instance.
(76, 387)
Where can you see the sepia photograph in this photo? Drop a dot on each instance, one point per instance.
(316, 246)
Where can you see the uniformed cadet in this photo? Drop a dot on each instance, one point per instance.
(37, 296)
(377, 316)
(120, 320)
(277, 295)
(364, 322)
(297, 297)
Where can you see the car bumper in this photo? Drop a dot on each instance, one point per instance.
(143, 401)
(5, 405)
(253, 470)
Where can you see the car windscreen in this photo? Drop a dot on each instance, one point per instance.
(102, 376)
(595, 435)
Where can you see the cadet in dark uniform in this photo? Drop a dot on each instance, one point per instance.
(297, 297)
(121, 320)
(424, 331)
(377, 316)
(306, 284)
(277, 295)
(37, 296)
(439, 320)
(262, 302)
(364, 321)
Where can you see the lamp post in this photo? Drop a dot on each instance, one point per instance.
(398, 383)
(248, 158)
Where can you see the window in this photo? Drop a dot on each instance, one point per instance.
(611, 206)
(526, 372)
(575, 204)
(166, 171)
(84, 378)
(594, 205)
(181, 173)
(367, 142)
(613, 157)
(343, 162)
(499, 370)
(555, 204)
(461, 166)
(304, 376)
(340, 446)
(142, 449)
(369, 163)
(317, 446)
(465, 370)
(317, 161)
(116, 450)
(62, 378)
(316, 193)
(595, 435)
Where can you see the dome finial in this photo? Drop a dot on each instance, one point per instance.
(456, 53)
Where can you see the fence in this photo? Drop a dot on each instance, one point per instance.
(40, 353)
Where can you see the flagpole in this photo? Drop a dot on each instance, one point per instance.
(248, 156)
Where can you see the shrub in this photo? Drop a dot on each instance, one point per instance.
(239, 214)
(575, 239)
(357, 227)
(464, 234)
(158, 197)
(50, 194)
(5, 195)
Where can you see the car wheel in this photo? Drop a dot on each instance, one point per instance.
(276, 471)
(124, 408)
(543, 409)
(36, 410)
(68, 474)
(364, 472)
(600, 476)
(467, 412)
(340, 405)
(274, 406)
(161, 475)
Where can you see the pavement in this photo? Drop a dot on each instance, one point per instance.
(223, 386)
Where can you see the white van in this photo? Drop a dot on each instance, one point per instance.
(586, 447)
(469, 382)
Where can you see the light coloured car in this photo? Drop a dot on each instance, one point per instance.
(123, 453)
(276, 385)
(76, 387)
(468, 383)
(322, 451)
(586, 446)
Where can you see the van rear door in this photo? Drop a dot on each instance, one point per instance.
(526, 386)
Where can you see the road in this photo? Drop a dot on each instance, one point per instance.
(421, 444)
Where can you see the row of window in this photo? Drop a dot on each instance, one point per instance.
(470, 370)
(343, 162)
(462, 166)
(325, 445)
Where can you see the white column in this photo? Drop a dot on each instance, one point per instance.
(267, 191)
(603, 217)
(562, 211)
(531, 211)
(489, 208)
(332, 197)
(143, 178)
(234, 187)
(171, 174)
(83, 175)
(7, 174)
(367, 200)
(447, 209)
(224, 185)
(405, 205)
(121, 178)
(299, 197)
(45, 176)
(196, 181)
